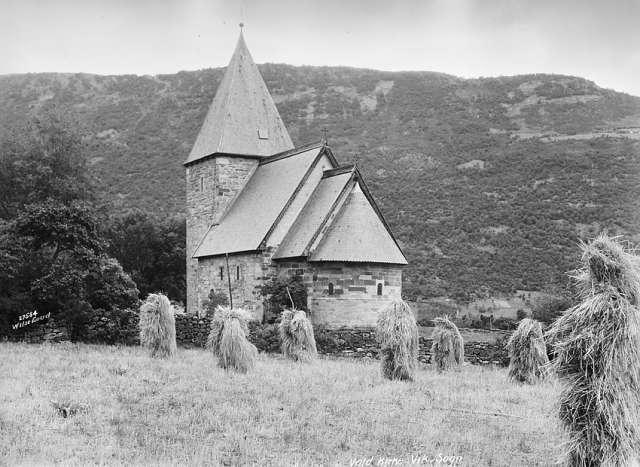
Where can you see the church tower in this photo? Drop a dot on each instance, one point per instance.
(242, 126)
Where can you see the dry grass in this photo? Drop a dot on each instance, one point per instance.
(158, 326)
(527, 353)
(597, 345)
(186, 411)
(447, 349)
(228, 340)
(296, 336)
(397, 334)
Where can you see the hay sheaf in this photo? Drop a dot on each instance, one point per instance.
(228, 340)
(597, 347)
(606, 263)
(157, 326)
(397, 334)
(447, 349)
(527, 353)
(296, 336)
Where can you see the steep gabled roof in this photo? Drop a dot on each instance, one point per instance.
(242, 118)
(358, 233)
(313, 215)
(261, 202)
(341, 222)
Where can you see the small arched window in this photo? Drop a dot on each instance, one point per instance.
(221, 273)
(330, 288)
(237, 273)
(201, 183)
(379, 288)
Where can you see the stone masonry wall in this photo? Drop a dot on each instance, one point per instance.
(192, 331)
(354, 300)
(211, 185)
(246, 274)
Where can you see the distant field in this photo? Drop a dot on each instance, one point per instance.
(134, 410)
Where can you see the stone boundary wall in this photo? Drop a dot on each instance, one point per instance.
(192, 331)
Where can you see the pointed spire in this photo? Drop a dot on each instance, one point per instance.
(242, 118)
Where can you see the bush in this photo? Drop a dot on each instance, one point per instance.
(113, 326)
(276, 296)
(216, 299)
(506, 324)
(546, 310)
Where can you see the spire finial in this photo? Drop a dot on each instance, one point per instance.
(241, 26)
(324, 136)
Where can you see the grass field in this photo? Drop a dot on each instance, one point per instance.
(134, 410)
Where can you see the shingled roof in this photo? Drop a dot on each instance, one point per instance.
(341, 222)
(260, 203)
(242, 118)
(359, 234)
(313, 215)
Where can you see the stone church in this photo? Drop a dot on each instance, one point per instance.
(258, 207)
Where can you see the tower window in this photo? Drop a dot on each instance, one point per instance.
(237, 273)
(221, 273)
(201, 183)
(330, 288)
(379, 288)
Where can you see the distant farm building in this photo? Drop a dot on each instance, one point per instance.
(268, 209)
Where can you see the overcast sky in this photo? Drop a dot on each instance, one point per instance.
(595, 39)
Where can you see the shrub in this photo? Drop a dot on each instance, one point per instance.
(397, 334)
(447, 349)
(506, 324)
(215, 300)
(228, 340)
(296, 336)
(527, 352)
(158, 326)
(547, 309)
(597, 347)
(276, 294)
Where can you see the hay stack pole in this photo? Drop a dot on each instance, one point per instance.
(597, 346)
(157, 326)
(527, 352)
(228, 340)
(397, 334)
(447, 350)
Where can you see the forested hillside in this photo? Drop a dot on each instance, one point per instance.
(488, 183)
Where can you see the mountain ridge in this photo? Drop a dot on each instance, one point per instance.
(477, 176)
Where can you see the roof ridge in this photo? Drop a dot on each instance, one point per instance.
(327, 221)
(290, 152)
(338, 170)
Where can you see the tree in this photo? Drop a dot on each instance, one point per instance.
(152, 250)
(61, 266)
(41, 159)
(53, 255)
